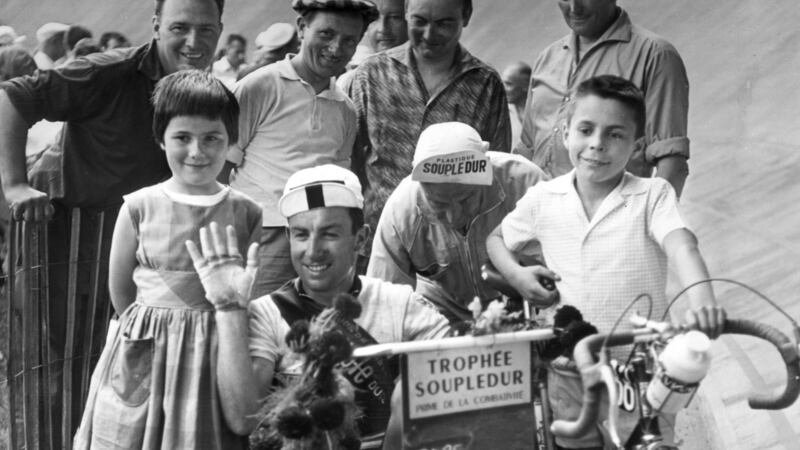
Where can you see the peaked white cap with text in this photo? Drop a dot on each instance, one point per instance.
(320, 187)
(452, 152)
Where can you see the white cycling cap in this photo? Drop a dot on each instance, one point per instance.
(452, 152)
(320, 187)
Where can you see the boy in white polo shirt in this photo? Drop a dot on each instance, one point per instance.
(606, 235)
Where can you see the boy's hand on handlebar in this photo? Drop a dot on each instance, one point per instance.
(528, 282)
(707, 319)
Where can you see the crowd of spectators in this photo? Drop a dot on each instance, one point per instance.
(362, 150)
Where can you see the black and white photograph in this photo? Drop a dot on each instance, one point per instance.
(399, 224)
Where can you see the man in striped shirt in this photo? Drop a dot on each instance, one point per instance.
(430, 79)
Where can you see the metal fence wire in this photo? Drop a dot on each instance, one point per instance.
(56, 313)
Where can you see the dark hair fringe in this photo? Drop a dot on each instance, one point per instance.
(309, 14)
(233, 37)
(74, 34)
(615, 88)
(160, 5)
(194, 93)
(466, 9)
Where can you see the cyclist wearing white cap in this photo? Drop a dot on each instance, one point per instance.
(324, 209)
(433, 229)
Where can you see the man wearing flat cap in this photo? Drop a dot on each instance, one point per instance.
(323, 207)
(293, 116)
(432, 233)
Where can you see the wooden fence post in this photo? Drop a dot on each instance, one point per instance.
(30, 343)
(13, 238)
(34, 360)
(69, 351)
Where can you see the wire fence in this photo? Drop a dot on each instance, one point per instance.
(54, 320)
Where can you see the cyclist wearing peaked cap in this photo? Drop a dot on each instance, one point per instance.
(433, 229)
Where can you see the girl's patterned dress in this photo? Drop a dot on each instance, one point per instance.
(155, 385)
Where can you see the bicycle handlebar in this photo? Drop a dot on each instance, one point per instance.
(593, 378)
(789, 353)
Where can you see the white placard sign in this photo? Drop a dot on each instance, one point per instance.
(467, 379)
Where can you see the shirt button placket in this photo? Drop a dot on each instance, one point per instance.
(315, 119)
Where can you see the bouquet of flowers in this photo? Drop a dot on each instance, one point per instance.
(315, 410)
(568, 325)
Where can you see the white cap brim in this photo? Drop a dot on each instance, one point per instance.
(318, 195)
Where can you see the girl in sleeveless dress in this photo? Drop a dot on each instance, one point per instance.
(177, 373)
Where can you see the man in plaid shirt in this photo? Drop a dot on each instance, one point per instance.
(430, 79)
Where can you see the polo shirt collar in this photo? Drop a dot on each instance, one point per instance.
(286, 71)
(619, 31)
(566, 184)
(150, 65)
(405, 55)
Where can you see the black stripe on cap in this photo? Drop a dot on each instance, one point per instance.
(314, 196)
(319, 182)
